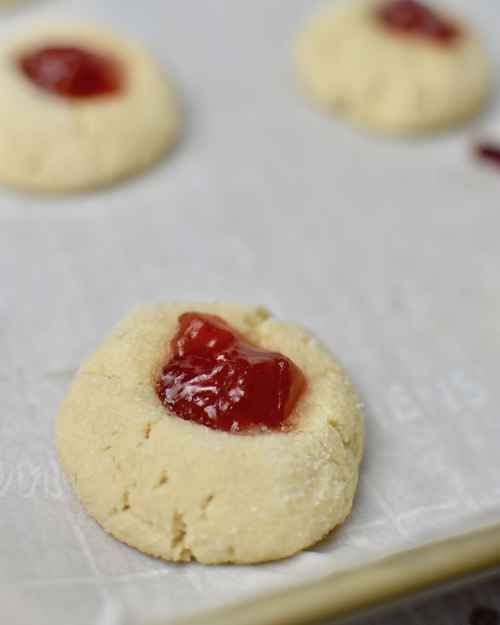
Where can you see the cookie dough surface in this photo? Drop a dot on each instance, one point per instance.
(55, 144)
(179, 490)
(385, 81)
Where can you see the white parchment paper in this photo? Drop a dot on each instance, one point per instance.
(388, 250)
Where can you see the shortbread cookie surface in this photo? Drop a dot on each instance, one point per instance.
(389, 81)
(57, 144)
(180, 490)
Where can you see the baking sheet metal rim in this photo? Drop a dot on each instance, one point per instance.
(361, 587)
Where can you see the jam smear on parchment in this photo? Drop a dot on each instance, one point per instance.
(72, 72)
(218, 378)
(489, 152)
(484, 615)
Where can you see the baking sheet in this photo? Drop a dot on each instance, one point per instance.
(387, 250)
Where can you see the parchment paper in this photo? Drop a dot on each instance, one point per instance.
(388, 250)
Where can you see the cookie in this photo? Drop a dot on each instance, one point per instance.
(180, 490)
(4, 3)
(397, 68)
(81, 108)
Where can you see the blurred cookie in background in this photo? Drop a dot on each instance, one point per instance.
(397, 68)
(4, 3)
(81, 108)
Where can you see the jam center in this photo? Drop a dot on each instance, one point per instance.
(72, 72)
(216, 377)
(412, 17)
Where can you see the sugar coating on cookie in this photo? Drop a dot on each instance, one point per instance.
(179, 490)
(57, 144)
(387, 80)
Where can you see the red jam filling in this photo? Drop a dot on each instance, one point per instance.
(489, 152)
(72, 72)
(412, 17)
(216, 377)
